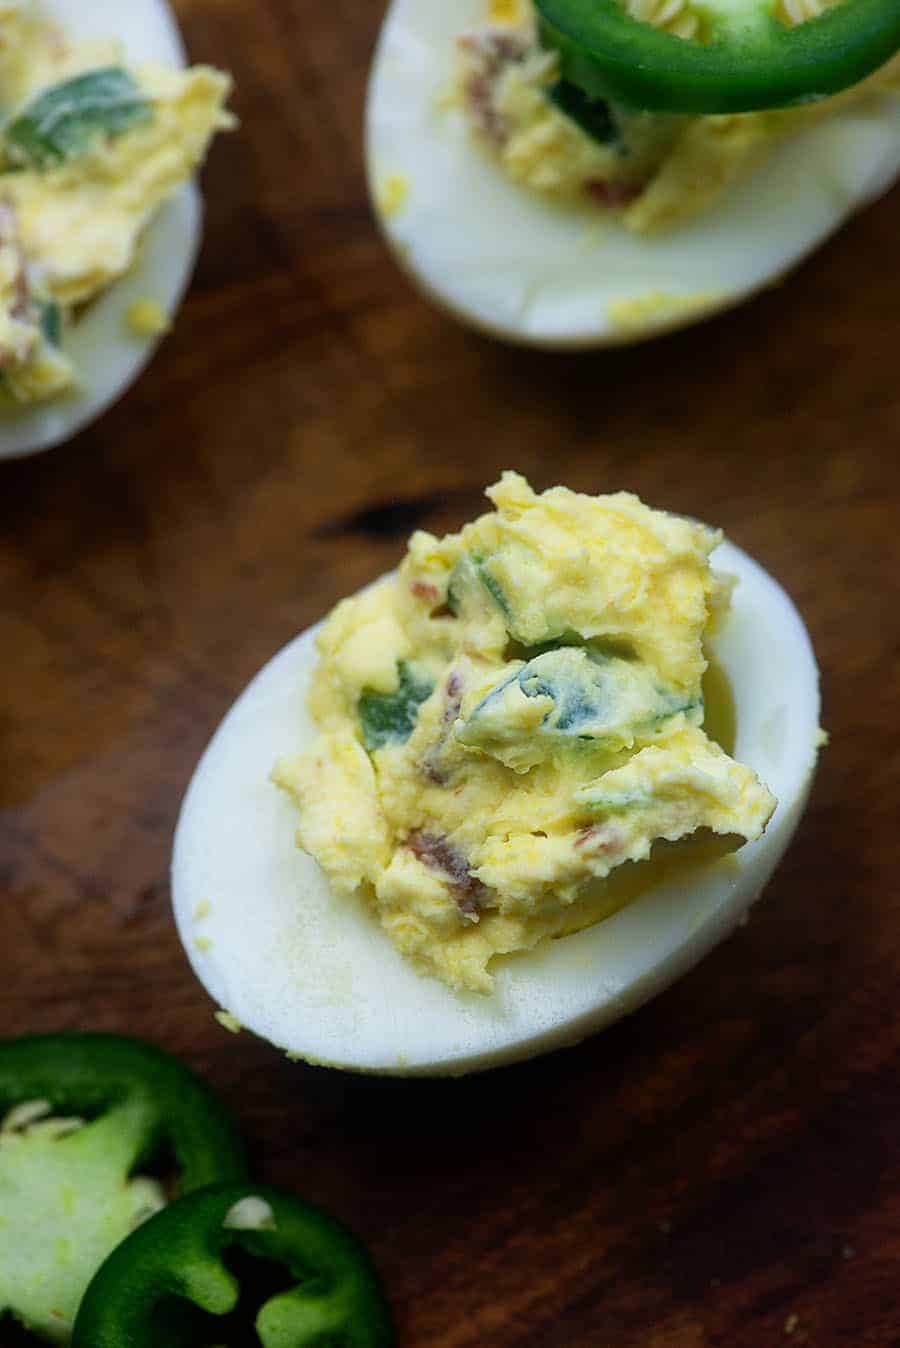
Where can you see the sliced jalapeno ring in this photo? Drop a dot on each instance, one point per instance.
(750, 60)
(173, 1281)
(80, 1114)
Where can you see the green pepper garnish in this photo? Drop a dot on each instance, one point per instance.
(172, 1284)
(82, 1114)
(390, 718)
(66, 119)
(749, 60)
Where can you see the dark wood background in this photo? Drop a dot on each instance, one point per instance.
(723, 1168)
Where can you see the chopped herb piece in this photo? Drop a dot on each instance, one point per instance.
(390, 718)
(65, 120)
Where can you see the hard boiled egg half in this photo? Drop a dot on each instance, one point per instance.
(565, 274)
(107, 356)
(315, 974)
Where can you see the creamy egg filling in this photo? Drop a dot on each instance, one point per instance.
(654, 170)
(511, 725)
(89, 151)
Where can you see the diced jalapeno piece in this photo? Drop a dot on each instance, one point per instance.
(65, 120)
(51, 321)
(454, 597)
(571, 694)
(621, 802)
(494, 588)
(473, 575)
(390, 718)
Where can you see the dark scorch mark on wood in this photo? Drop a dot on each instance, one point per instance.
(396, 517)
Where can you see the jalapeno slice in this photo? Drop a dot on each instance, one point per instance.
(81, 1114)
(748, 61)
(173, 1281)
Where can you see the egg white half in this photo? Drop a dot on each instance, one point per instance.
(107, 356)
(318, 976)
(544, 273)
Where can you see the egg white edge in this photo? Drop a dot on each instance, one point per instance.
(108, 357)
(506, 267)
(317, 975)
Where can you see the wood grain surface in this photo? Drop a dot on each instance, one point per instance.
(721, 1170)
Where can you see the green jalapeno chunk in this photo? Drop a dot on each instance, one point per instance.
(81, 1115)
(390, 718)
(173, 1281)
(67, 119)
(748, 61)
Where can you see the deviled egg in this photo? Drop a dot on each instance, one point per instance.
(99, 219)
(502, 796)
(545, 213)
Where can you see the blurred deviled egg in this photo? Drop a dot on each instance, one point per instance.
(573, 173)
(99, 219)
(502, 796)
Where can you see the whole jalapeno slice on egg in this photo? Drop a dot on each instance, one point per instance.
(192, 1276)
(749, 59)
(81, 1116)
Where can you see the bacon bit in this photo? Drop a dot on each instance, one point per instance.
(495, 48)
(431, 764)
(613, 195)
(431, 595)
(454, 696)
(422, 590)
(601, 837)
(438, 853)
(489, 52)
(480, 98)
(22, 308)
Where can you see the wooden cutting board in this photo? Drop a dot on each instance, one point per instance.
(723, 1168)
